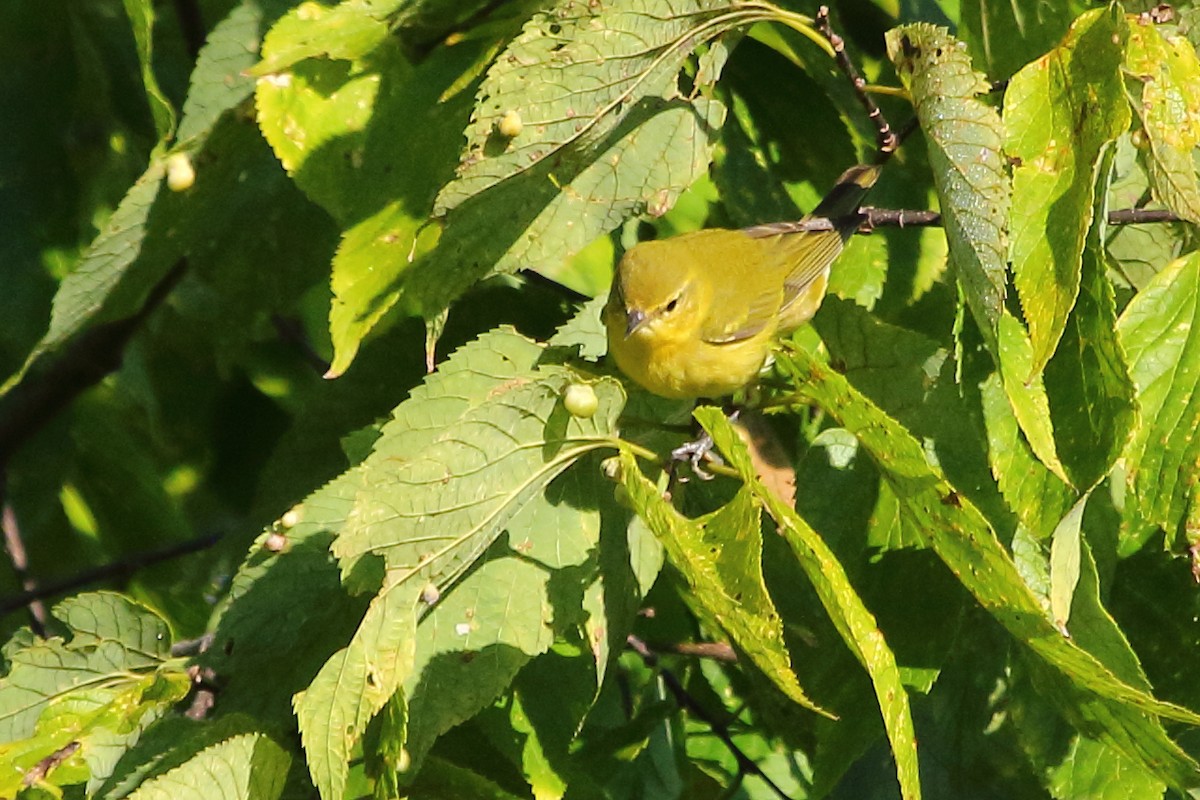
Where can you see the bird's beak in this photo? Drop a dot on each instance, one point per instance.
(633, 320)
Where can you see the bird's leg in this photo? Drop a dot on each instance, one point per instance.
(702, 449)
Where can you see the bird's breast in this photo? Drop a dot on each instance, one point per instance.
(688, 368)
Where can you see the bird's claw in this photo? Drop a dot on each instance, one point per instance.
(697, 451)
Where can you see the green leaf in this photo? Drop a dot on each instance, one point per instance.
(349, 134)
(431, 512)
(1153, 597)
(384, 755)
(1158, 330)
(169, 743)
(472, 643)
(444, 779)
(319, 613)
(314, 118)
(1091, 396)
(915, 381)
(1163, 82)
(83, 293)
(538, 218)
(1035, 494)
(424, 23)
(346, 31)
(1060, 113)
(246, 767)
(96, 726)
(767, 143)
(462, 458)
(219, 81)
(566, 84)
(113, 640)
(141, 19)
(1139, 251)
(965, 152)
(893, 366)
(1064, 563)
(1123, 715)
(853, 620)
(79, 704)
(1006, 36)
(464, 383)
(147, 234)
(1094, 629)
(531, 588)
(538, 771)
(720, 555)
(538, 199)
(354, 684)
(1026, 392)
(550, 722)
(585, 330)
(1093, 770)
(747, 179)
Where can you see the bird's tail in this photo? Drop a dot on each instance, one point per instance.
(838, 211)
(841, 204)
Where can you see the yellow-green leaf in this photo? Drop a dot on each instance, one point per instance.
(965, 139)
(1059, 113)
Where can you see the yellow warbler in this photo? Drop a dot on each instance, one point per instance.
(696, 315)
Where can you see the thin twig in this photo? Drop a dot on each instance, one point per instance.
(291, 331)
(907, 218)
(117, 569)
(689, 703)
(886, 139)
(1136, 216)
(41, 769)
(38, 618)
(714, 651)
(900, 218)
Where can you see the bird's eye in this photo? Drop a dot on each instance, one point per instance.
(671, 305)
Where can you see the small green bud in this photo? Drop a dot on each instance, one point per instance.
(580, 400)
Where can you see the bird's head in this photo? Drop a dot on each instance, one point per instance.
(655, 294)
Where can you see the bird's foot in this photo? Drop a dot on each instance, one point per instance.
(696, 452)
(702, 450)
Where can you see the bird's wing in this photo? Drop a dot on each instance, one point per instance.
(809, 246)
(810, 255)
(802, 250)
(729, 322)
(746, 300)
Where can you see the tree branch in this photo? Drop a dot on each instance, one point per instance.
(38, 618)
(907, 218)
(83, 362)
(886, 140)
(116, 569)
(715, 651)
(689, 703)
(1136, 216)
(291, 331)
(38, 398)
